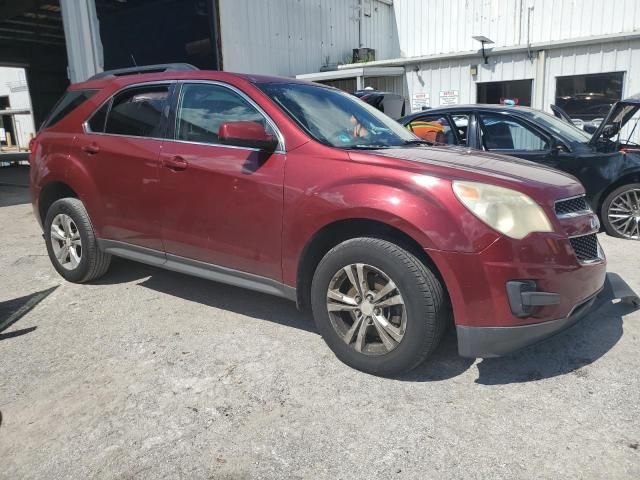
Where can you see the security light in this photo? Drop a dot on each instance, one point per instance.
(482, 39)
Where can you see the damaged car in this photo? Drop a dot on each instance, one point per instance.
(607, 161)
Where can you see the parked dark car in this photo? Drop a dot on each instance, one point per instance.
(303, 191)
(390, 103)
(609, 168)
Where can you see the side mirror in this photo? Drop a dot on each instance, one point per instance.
(247, 134)
(557, 147)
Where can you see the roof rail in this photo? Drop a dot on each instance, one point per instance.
(162, 67)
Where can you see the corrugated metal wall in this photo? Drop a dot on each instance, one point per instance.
(434, 77)
(429, 27)
(289, 37)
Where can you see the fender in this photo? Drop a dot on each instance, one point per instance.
(630, 174)
(417, 210)
(67, 169)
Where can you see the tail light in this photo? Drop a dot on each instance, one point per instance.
(33, 146)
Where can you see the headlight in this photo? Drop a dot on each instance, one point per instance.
(507, 211)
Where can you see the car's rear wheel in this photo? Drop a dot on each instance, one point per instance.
(378, 307)
(71, 242)
(621, 212)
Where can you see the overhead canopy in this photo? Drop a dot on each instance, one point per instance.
(359, 73)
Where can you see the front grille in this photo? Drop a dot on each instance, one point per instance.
(571, 205)
(586, 247)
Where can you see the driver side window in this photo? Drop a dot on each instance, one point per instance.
(204, 107)
(503, 133)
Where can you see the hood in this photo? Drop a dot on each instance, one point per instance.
(472, 165)
(621, 112)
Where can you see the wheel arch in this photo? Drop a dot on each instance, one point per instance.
(52, 192)
(630, 177)
(339, 231)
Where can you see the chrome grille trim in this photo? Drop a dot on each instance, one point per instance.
(587, 248)
(572, 207)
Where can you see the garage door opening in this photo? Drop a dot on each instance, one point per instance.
(16, 121)
(516, 91)
(589, 97)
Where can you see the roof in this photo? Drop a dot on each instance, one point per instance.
(476, 106)
(103, 80)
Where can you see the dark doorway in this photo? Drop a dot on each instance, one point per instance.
(147, 32)
(9, 131)
(589, 97)
(516, 91)
(32, 37)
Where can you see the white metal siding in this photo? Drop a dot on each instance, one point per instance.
(434, 77)
(429, 27)
(289, 37)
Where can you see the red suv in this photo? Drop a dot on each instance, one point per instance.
(303, 191)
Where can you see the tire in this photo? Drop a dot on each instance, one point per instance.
(613, 205)
(424, 302)
(90, 262)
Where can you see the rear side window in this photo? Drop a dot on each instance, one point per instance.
(69, 102)
(433, 128)
(98, 119)
(137, 112)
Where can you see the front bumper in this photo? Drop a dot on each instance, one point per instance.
(488, 342)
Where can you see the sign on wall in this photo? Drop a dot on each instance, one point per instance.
(420, 101)
(449, 97)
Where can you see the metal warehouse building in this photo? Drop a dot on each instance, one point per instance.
(581, 54)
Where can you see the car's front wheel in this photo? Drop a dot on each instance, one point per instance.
(621, 212)
(377, 306)
(71, 242)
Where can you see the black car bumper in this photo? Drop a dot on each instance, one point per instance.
(488, 342)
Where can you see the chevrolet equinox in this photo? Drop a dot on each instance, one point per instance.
(300, 190)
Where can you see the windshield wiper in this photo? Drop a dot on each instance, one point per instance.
(368, 147)
(418, 142)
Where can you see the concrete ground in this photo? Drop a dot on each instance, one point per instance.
(152, 374)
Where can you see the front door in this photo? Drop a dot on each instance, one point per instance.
(222, 204)
(501, 133)
(120, 150)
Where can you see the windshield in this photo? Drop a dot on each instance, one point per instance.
(562, 128)
(336, 118)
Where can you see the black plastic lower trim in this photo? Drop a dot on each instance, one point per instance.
(489, 342)
(196, 268)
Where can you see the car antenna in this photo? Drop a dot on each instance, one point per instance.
(133, 59)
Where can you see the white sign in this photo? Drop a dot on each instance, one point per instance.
(449, 97)
(3, 135)
(420, 101)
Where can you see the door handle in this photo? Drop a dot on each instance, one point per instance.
(176, 163)
(91, 148)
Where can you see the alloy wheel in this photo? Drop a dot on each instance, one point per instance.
(66, 242)
(366, 309)
(624, 213)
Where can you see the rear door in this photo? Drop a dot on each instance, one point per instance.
(222, 204)
(120, 148)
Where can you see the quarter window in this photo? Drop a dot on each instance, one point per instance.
(204, 107)
(69, 102)
(138, 112)
(500, 132)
